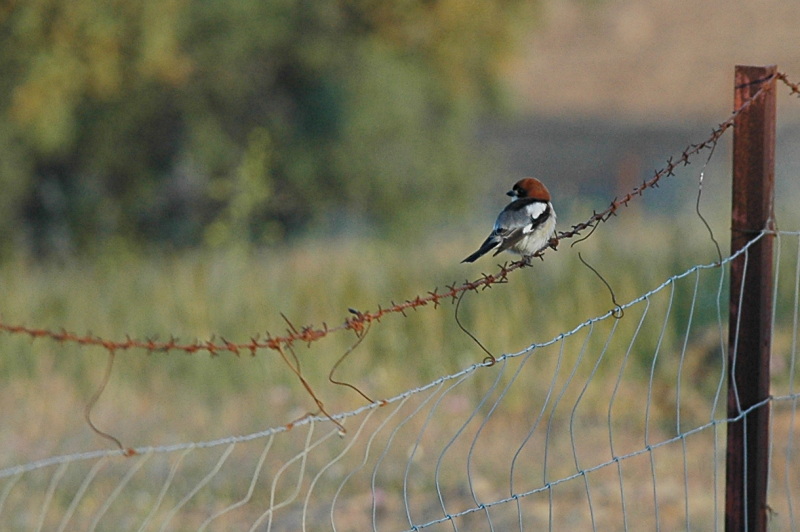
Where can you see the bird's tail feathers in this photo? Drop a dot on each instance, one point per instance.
(488, 245)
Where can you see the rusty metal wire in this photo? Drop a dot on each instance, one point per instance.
(672, 163)
(794, 87)
(361, 320)
(308, 334)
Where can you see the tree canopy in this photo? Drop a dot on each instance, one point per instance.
(189, 122)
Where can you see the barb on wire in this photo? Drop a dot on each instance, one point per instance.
(358, 322)
(794, 87)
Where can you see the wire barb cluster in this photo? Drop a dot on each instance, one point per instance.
(794, 87)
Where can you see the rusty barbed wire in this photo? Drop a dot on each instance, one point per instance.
(308, 334)
(672, 164)
(794, 87)
(361, 320)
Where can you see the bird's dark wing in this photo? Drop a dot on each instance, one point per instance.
(518, 219)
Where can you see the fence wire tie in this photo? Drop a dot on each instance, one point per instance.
(360, 335)
(617, 312)
(87, 412)
(490, 359)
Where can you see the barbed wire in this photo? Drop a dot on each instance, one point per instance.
(794, 87)
(341, 417)
(361, 320)
(683, 160)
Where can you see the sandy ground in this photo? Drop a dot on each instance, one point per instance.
(651, 60)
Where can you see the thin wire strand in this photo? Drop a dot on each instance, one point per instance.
(697, 203)
(385, 452)
(87, 413)
(118, 489)
(616, 308)
(373, 489)
(458, 433)
(490, 358)
(789, 472)
(572, 435)
(302, 457)
(253, 481)
(538, 419)
(460, 430)
(682, 358)
(78, 497)
(173, 470)
(360, 337)
(200, 485)
(774, 310)
(51, 489)
(734, 356)
(417, 443)
(333, 461)
(485, 422)
(560, 396)
(611, 402)
(7, 490)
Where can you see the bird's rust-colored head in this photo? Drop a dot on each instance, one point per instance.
(530, 187)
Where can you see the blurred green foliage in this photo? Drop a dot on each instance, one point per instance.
(208, 122)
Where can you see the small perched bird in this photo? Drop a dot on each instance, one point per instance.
(525, 226)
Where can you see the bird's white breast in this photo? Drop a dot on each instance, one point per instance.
(538, 232)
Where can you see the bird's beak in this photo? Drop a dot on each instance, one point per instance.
(511, 193)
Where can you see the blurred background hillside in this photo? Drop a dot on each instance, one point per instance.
(184, 123)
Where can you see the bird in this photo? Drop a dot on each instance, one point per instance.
(525, 226)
